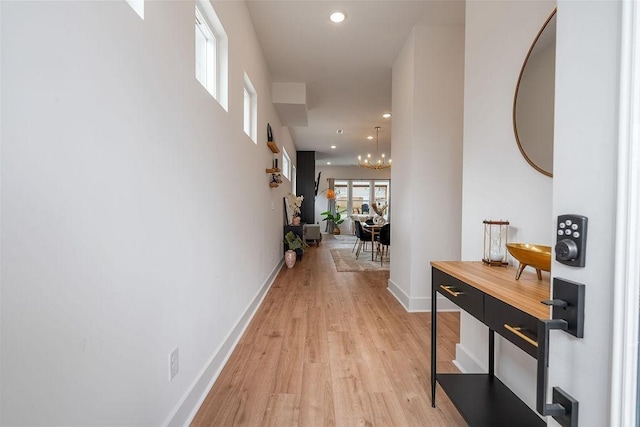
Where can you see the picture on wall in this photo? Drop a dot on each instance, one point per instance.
(286, 212)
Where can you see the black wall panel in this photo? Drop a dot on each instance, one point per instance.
(306, 181)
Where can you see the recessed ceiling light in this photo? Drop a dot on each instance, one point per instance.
(339, 131)
(386, 115)
(333, 147)
(337, 17)
(328, 163)
(369, 137)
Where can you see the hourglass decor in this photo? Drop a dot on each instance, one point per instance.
(496, 236)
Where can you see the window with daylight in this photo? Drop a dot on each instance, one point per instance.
(251, 110)
(341, 189)
(205, 54)
(356, 196)
(360, 200)
(381, 193)
(211, 52)
(137, 6)
(286, 164)
(294, 180)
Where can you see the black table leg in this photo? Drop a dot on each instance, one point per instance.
(433, 343)
(492, 340)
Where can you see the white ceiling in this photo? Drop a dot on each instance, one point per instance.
(346, 67)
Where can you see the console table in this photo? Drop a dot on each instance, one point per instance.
(510, 307)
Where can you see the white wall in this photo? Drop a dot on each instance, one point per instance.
(585, 154)
(583, 183)
(426, 179)
(498, 183)
(402, 101)
(123, 184)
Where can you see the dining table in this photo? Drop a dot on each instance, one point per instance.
(374, 229)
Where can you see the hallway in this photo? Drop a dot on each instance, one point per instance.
(328, 348)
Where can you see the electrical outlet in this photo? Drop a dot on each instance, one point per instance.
(174, 363)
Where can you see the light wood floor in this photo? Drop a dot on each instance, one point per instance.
(333, 349)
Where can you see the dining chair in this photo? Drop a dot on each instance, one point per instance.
(384, 241)
(363, 237)
(359, 231)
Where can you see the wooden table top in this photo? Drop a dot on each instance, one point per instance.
(499, 282)
(374, 226)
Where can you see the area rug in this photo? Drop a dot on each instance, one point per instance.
(345, 238)
(345, 260)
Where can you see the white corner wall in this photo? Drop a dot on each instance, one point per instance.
(498, 183)
(125, 188)
(426, 178)
(587, 96)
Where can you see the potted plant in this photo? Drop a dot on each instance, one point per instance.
(295, 244)
(336, 219)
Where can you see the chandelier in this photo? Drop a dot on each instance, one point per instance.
(380, 162)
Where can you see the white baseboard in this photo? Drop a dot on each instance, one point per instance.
(186, 410)
(418, 304)
(467, 362)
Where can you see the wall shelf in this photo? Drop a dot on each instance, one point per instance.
(483, 400)
(275, 179)
(273, 147)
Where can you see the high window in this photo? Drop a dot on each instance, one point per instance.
(286, 164)
(294, 180)
(211, 52)
(137, 6)
(205, 54)
(250, 110)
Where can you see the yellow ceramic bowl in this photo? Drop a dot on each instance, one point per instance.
(537, 256)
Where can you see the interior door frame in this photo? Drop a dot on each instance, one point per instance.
(626, 303)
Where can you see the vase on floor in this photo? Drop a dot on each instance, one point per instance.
(290, 258)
